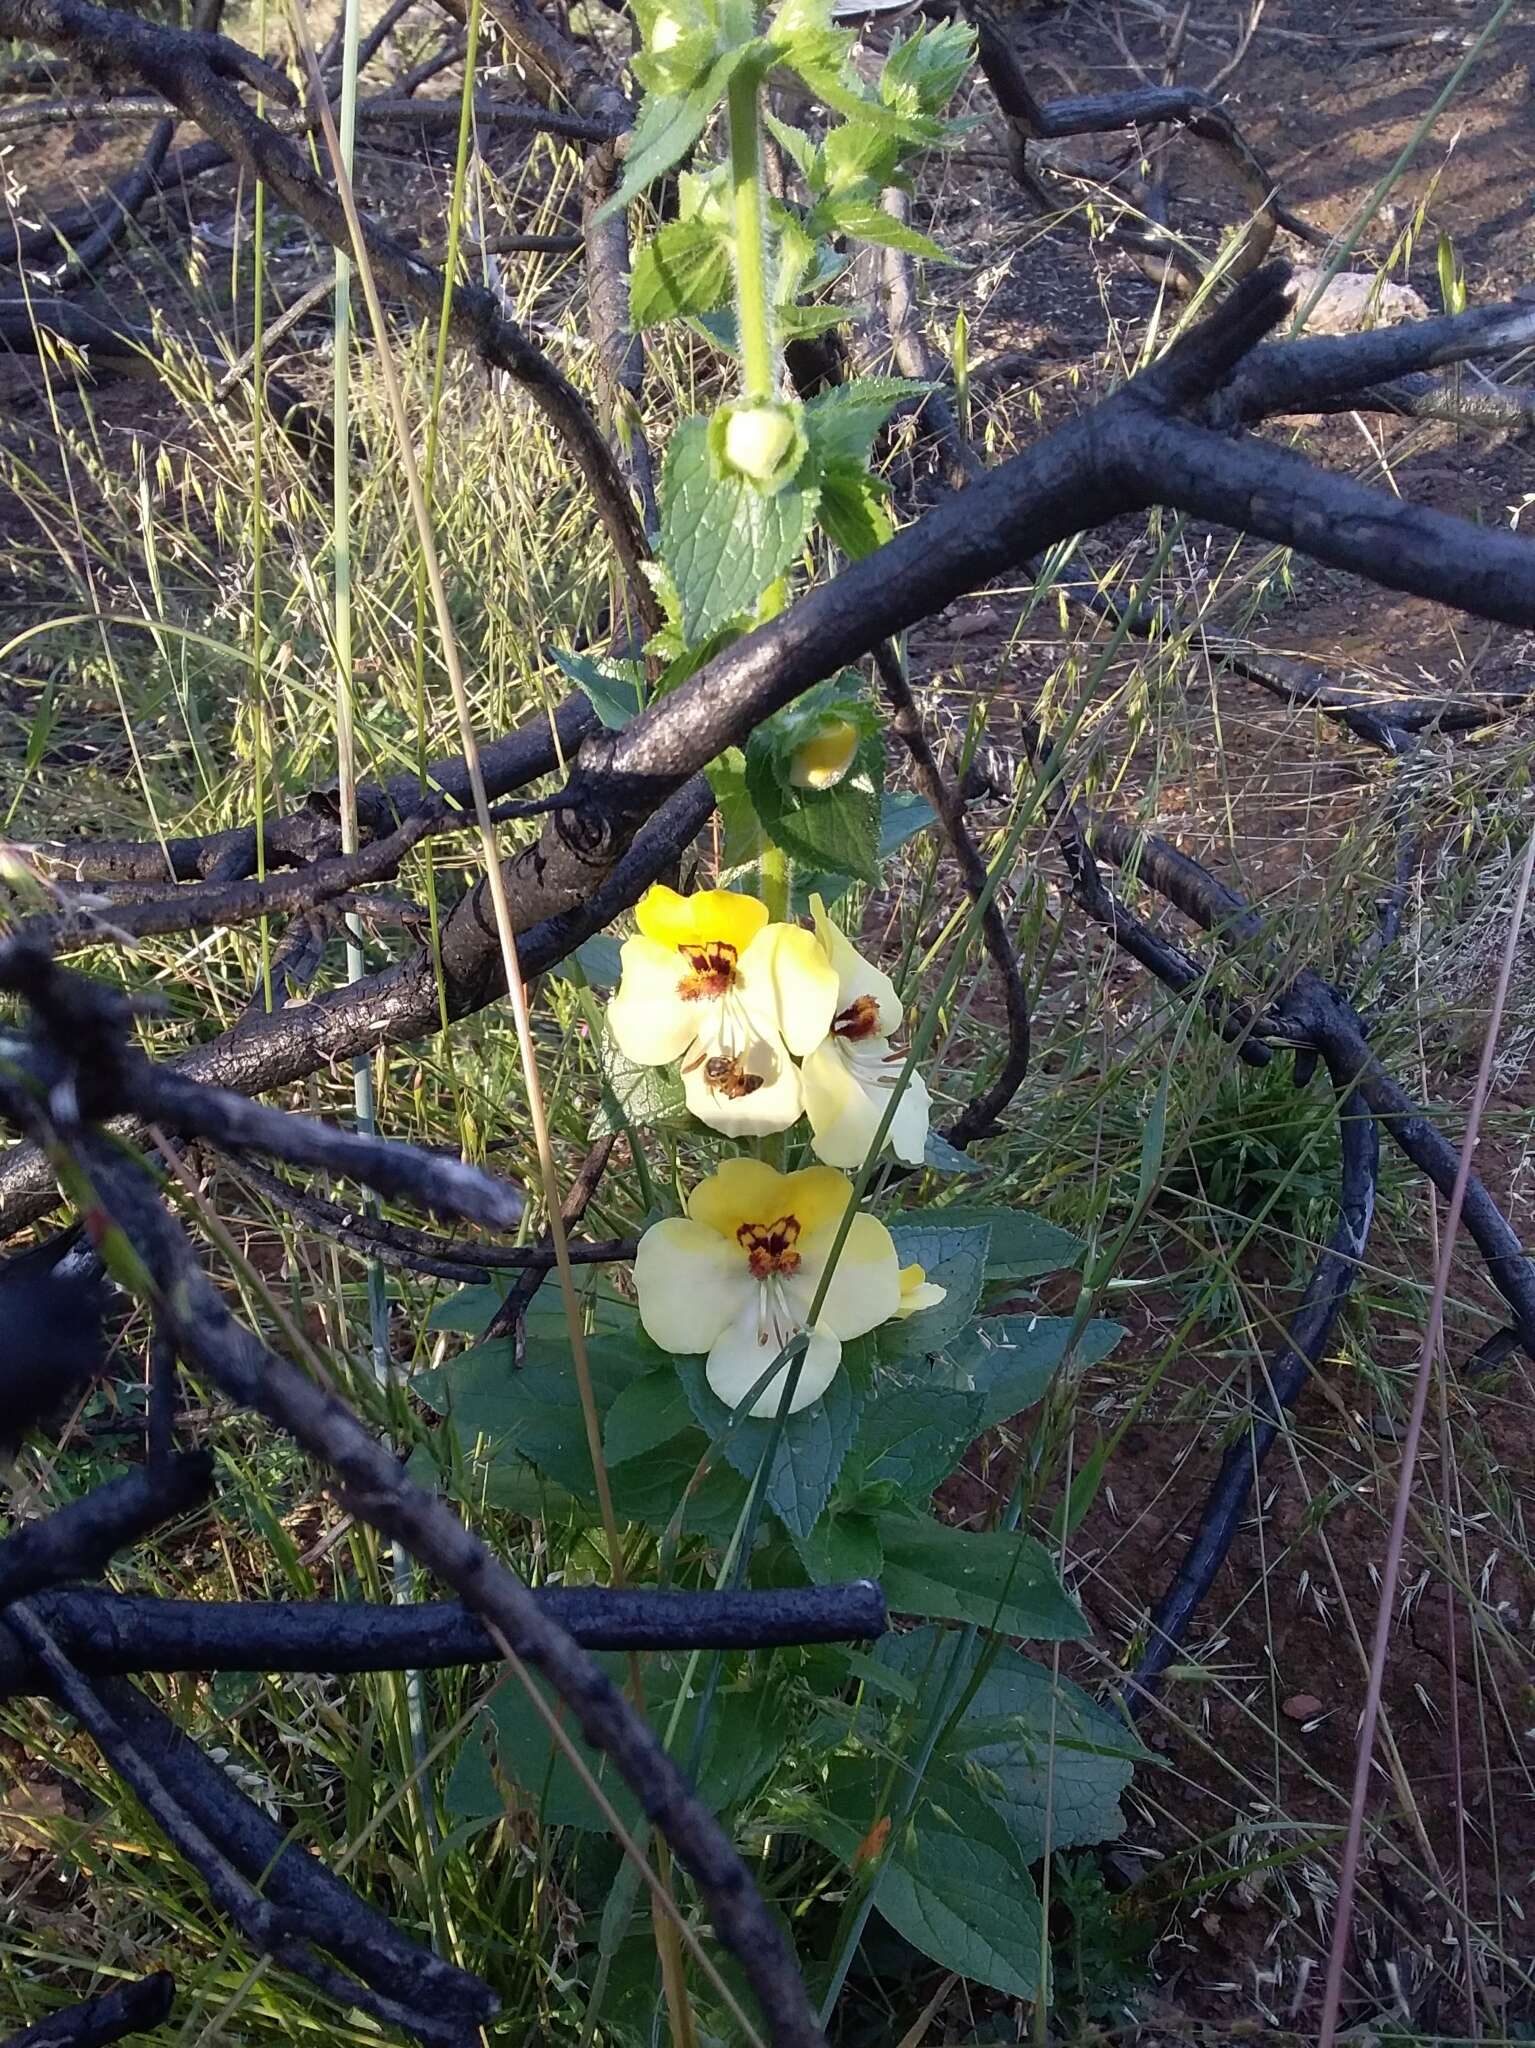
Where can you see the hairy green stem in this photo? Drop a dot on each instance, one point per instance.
(754, 313)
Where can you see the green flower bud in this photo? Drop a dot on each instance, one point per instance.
(765, 443)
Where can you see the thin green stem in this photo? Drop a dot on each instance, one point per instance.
(754, 312)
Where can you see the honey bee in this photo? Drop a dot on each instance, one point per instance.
(727, 1077)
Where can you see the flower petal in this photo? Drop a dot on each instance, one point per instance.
(721, 915)
(738, 1191)
(818, 1196)
(856, 976)
(865, 1288)
(843, 1116)
(918, 1292)
(741, 1355)
(786, 981)
(691, 1284)
(650, 1022)
(744, 1087)
(907, 1136)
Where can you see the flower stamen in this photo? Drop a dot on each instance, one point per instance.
(713, 972)
(769, 1247)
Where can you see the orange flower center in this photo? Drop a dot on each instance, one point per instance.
(712, 971)
(770, 1246)
(859, 1020)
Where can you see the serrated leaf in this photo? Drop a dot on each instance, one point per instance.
(742, 836)
(852, 509)
(914, 1437)
(651, 1410)
(724, 540)
(1010, 1360)
(858, 153)
(650, 1097)
(952, 1882)
(954, 1258)
(819, 57)
(841, 1548)
(683, 268)
(1037, 1745)
(901, 816)
(835, 829)
(866, 221)
(923, 71)
(843, 422)
(1000, 1579)
(810, 1450)
(1023, 1246)
(668, 126)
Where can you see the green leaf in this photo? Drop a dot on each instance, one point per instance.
(470, 1310)
(743, 837)
(867, 221)
(811, 1445)
(683, 268)
(650, 1097)
(923, 72)
(649, 1411)
(741, 1743)
(841, 1547)
(723, 539)
(836, 829)
(843, 422)
(797, 146)
(1000, 1579)
(668, 126)
(820, 58)
(1036, 1746)
(901, 816)
(954, 1258)
(858, 153)
(852, 509)
(615, 693)
(648, 1489)
(601, 960)
(1010, 1360)
(942, 1157)
(1022, 1246)
(914, 1436)
(953, 1882)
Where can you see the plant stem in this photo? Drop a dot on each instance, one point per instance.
(754, 314)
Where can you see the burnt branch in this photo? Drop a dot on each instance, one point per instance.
(79, 1540)
(418, 1251)
(980, 1117)
(191, 1315)
(132, 2008)
(1137, 448)
(508, 1319)
(1284, 1377)
(116, 1634)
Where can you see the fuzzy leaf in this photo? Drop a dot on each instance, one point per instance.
(725, 540)
(955, 1259)
(683, 268)
(1001, 1579)
(811, 1445)
(835, 829)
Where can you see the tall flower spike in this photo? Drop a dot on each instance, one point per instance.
(848, 1079)
(736, 1276)
(708, 981)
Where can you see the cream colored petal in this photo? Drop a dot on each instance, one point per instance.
(787, 984)
(745, 1086)
(650, 1022)
(856, 976)
(865, 1288)
(691, 1284)
(742, 1355)
(918, 1292)
(909, 1126)
(843, 1116)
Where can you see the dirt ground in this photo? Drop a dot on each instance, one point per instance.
(1328, 95)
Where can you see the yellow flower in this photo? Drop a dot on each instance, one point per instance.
(710, 982)
(736, 1276)
(821, 760)
(918, 1292)
(847, 1079)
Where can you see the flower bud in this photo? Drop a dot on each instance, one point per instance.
(665, 34)
(823, 757)
(764, 443)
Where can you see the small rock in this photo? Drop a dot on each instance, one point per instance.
(1356, 299)
(1300, 1706)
